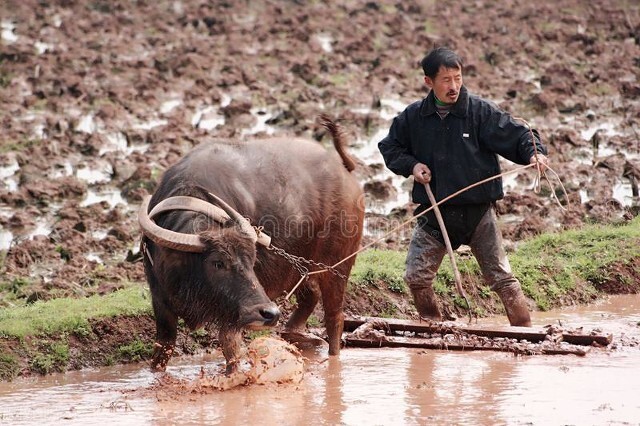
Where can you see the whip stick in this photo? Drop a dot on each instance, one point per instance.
(447, 243)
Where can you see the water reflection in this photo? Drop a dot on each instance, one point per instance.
(574, 391)
(102, 173)
(369, 384)
(207, 118)
(7, 34)
(113, 197)
(6, 238)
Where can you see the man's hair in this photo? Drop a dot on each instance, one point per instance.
(440, 56)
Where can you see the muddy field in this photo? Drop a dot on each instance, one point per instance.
(98, 97)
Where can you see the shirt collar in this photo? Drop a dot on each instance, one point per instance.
(458, 109)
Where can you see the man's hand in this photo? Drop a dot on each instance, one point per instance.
(421, 173)
(541, 159)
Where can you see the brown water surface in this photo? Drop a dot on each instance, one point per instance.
(367, 386)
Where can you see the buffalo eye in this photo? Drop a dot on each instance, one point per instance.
(218, 264)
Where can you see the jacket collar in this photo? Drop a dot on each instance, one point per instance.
(459, 108)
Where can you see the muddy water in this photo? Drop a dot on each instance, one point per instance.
(367, 386)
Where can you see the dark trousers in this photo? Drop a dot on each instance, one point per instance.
(426, 253)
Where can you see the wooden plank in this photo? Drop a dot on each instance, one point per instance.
(520, 333)
(416, 342)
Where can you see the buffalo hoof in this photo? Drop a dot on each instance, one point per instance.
(232, 367)
(303, 340)
(161, 356)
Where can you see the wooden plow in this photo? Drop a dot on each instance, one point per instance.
(387, 332)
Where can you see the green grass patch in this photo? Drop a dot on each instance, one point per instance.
(388, 266)
(136, 351)
(254, 334)
(389, 310)
(54, 357)
(445, 281)
(375, 266)
(71, 315)
(5, 78)
(9, 367)
(12, 291)
(551, 265)
(339, 79)
(314, 321)
(17, 146)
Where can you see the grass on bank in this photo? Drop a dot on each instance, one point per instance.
(552, 265)
(71, 315)
(548, 266)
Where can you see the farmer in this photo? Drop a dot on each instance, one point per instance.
(449, 140)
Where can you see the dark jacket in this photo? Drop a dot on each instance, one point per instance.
(460, 149)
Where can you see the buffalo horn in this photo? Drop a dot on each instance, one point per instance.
(182, 202)
(243, 222)
(165, 237)
(214, 212)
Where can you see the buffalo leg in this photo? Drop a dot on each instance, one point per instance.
(166, 333)
(295, 330)
(306, 299)
(231, 342)
(332, 300)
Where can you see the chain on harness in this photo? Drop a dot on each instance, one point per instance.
(299, 263)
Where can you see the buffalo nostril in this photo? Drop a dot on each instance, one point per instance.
(271, 315)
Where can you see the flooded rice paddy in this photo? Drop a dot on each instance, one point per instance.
(387, 386)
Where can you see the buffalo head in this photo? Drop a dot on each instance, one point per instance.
(207, 276)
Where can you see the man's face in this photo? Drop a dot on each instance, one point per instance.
(446, 84)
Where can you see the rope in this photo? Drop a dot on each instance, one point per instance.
(537, 180)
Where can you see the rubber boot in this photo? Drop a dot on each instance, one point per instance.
(426, 303)
(515, 303)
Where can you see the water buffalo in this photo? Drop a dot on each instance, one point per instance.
(204, 260)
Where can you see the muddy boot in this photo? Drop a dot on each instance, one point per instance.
(426, 303)
(516, 305)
